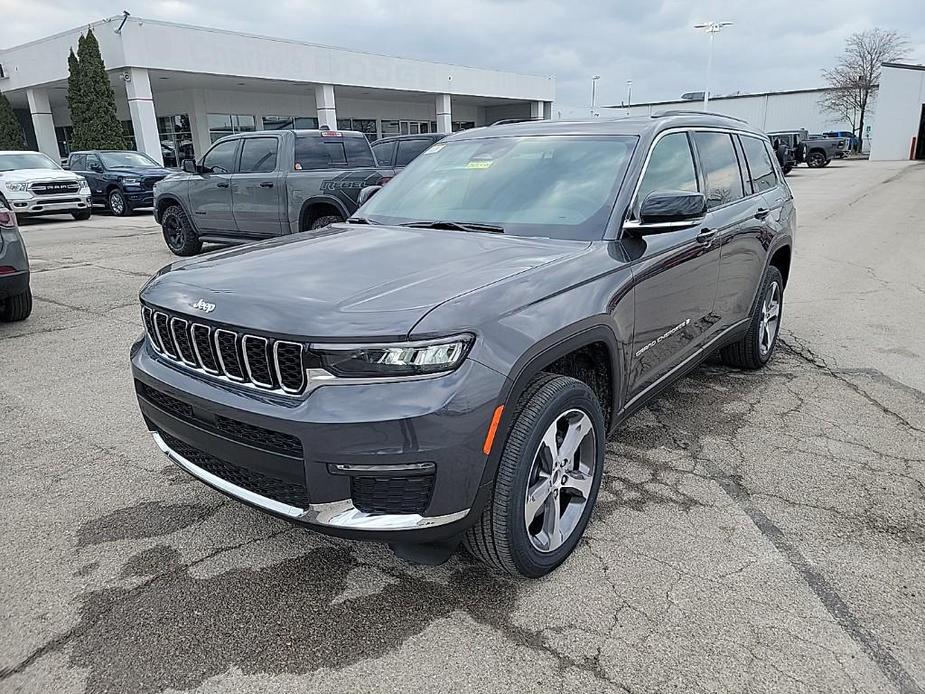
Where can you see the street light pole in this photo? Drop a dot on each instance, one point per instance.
(629, 93)
(712, 28)
(594, 92)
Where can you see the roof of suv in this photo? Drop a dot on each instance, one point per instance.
(635, 125)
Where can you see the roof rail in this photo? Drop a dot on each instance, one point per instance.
(680, 112)
(509, 121)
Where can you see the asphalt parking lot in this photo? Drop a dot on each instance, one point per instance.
(755, 532)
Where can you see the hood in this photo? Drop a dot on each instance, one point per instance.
(347, 281)
(141, 171)
(27, 175)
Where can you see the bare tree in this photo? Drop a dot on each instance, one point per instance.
(857, 74)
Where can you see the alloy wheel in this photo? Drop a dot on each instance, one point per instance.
(770, 319)
(560, 480)
(173, 231)
(116, 204)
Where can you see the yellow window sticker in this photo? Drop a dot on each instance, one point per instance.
(483, 164)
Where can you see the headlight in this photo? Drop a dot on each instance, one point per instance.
(394, 359)
(83, 183)
(17, 187)
(131, 181)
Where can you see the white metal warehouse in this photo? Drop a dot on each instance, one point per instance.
(178, 88)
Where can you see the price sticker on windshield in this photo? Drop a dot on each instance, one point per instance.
(434, 149)
(481, 164)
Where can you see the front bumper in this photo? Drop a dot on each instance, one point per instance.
(27, 203)
(139, 197)
(348, 434)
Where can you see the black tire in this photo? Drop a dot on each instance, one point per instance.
(749, 352)
(500, 537)
(118, 204)
(82, 215)
(16, 308)
(788, 167)
(179, 234)
(816, 159)
(826, 162)
(322, 222)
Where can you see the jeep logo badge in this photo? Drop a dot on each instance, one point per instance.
(205, 306)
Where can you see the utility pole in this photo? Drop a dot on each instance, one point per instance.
(712, 28)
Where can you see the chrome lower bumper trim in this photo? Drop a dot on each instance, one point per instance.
(335, 514)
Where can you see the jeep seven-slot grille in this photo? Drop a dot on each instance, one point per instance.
(273, 365)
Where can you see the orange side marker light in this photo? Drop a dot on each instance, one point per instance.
(492, 429)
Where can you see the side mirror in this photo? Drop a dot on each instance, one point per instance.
(669, 211)
(189, 166)
(65, 166)
(96, 167)
(366, 193)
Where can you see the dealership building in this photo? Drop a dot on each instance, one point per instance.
(179, 88)
(894, 126)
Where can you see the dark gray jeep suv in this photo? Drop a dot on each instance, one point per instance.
(448, 364)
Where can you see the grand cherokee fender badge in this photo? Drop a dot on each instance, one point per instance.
(663, 337)
(203, 305)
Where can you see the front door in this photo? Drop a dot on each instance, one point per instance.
(674, 273)
(210, 190)
(256, 188)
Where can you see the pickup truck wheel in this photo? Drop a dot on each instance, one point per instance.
(16, 308)
(788, 167)
(118, 205)
(82, 215)
(755, 348)
(322, 222)
(547, 479)
(815, 159)
(179, 235)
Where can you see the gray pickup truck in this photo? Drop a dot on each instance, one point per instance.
(259, 185)
(815, 151)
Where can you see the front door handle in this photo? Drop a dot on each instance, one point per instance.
(266, 184)
(705, 235)
(762, 213)
(222, 185)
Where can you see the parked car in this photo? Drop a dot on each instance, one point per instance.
(122, 180)
(835, 147)
(854, 143)
(401, 150)
(33, 184)
(448, 364)
(264, 184)
(15, 294)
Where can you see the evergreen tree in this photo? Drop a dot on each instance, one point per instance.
(75, 101)
(11, 136)
(96, 125)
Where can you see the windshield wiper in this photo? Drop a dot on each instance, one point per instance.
(456, 226)
(361, 220)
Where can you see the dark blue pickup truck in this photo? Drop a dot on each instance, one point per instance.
(120, 180)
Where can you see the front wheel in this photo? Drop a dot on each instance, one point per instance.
(322, 222)
(547, 479)
(755, 348)
(118, 205)
(179, 234)
(82, 215)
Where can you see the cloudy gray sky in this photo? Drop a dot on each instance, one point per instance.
(779, 45)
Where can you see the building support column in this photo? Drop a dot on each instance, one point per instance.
(324, 104)
(141, 108)
(444, 114)
(199, 123)
(537, 110)
(43, 123)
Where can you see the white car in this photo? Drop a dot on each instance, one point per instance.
(33, 184)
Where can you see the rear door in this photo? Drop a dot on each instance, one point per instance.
(675, 272)
(93, 172)
(210, 189)
(256, 188)
(385, 153)
(410, 149)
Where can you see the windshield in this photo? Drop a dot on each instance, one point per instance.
(112, 160)
(25, 160)
(555, 186)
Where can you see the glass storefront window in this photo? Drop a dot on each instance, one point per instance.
(176, 139)
(462, 125)
(367, 126)
(290, 122)
(221, 124)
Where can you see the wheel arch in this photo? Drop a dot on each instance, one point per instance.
(320, 206)
(165, 201)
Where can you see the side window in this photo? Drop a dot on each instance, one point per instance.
(671, 167)
(358, 152)
(316, 152)
(384, 153)
(220, 159)
(93, 163)
(720, 168)
(79, 162)
(409, 149)
(760, 168)
(258, 155)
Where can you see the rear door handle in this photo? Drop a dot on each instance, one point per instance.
(705, 235)
(266, 184)
(762, 213)
(222, 185)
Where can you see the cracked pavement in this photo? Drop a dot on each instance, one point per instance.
(755, 531)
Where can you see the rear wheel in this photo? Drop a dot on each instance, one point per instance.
(547, 479)
(82, 215)
(816, 159)
(179, 234)
(16, 308)
(322, 222)
(118, 205)
(788, 167)
(755, 348)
